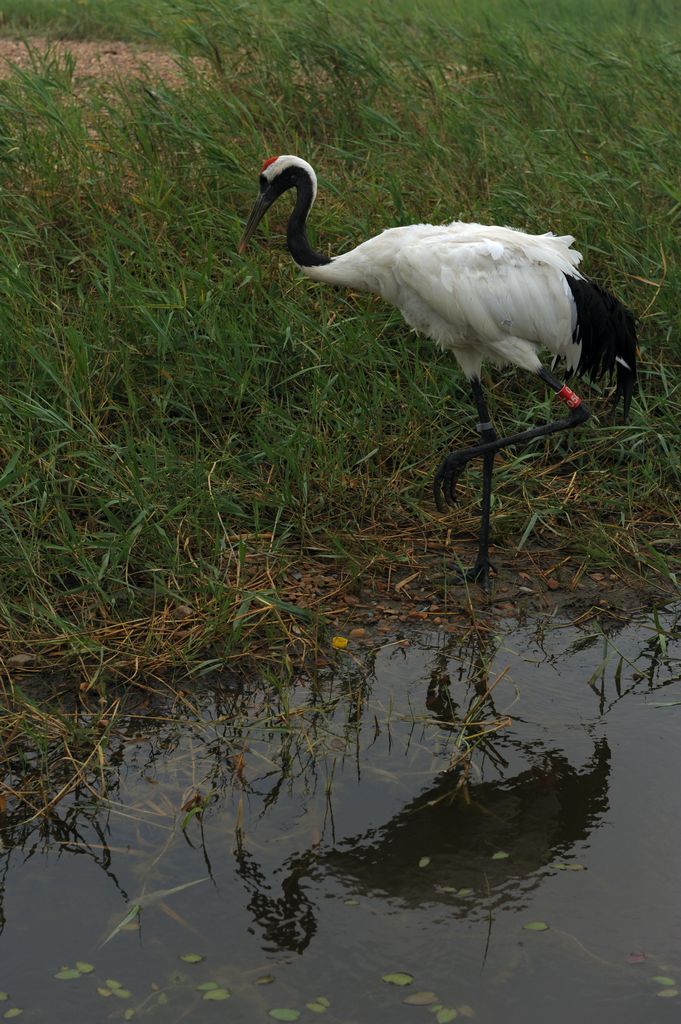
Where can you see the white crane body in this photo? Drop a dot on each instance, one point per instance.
(481, 293)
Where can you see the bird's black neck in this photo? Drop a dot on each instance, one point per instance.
(296, 237)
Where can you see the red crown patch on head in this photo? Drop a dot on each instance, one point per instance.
(268, 162)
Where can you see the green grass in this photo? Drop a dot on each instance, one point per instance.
(179, 423)
(84, 19)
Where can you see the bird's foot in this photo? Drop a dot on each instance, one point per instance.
(478, 573)
(446, 479)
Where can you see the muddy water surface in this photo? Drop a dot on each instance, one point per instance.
(332, 847)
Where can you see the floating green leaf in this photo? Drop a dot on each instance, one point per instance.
(424, 862)
(192, 958)
(216, 995)
(500, 855)
(15, 1011)
(398, 978)
(111, 983)
(316, 1007)
(535, 926)
(84, 967)
(103, 991)
(121, 993)
(662, 979)
(129, 1013)
(664, 993)
(351, 903)
(206, 986)
(3, 996)
(466, 1011)
(465, 892)
(446, 1014)
(67, 973)
(282, 1013)
(323, 1000)
(265, 979)
(420, 999)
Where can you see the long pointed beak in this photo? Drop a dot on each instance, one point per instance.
(260, 207)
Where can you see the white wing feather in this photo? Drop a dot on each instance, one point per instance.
(483, 292)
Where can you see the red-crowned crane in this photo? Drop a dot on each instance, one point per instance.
(483, 293)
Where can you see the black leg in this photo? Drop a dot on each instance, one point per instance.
(453, 465)
(480, 571)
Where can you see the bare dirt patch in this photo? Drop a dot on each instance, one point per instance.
(96, 60)
(393, 600)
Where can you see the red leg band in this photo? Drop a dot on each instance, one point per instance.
(569, 397)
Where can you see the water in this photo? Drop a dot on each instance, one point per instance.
(334, 847)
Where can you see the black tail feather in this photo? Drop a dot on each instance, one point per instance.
(626, 383)
(606, 331)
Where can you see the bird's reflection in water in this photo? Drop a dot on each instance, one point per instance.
(533, 817)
